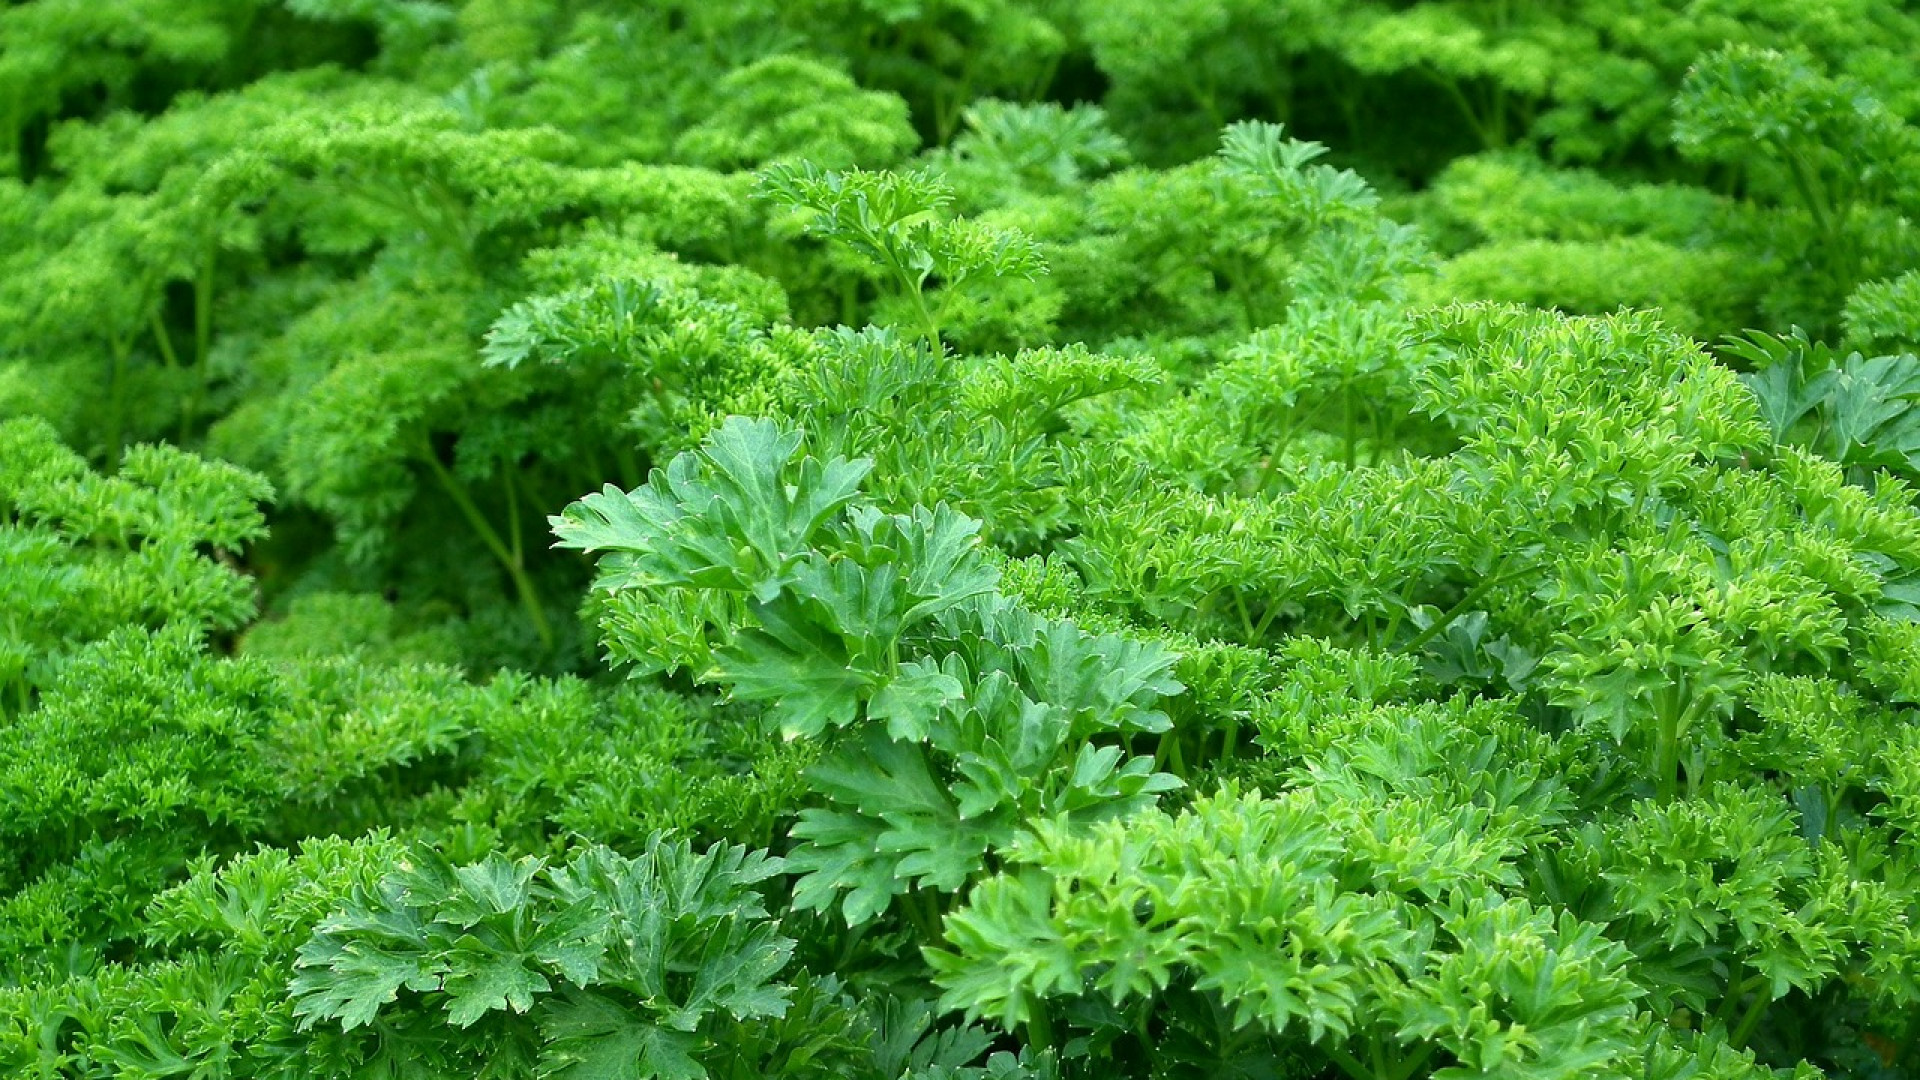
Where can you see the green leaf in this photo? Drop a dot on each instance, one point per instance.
(358, 962)
(481, 982)
(803, 672)
(894, 825)
(734, 974)
(909, 703)
(591, 1037)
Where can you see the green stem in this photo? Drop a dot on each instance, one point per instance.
(1039, 1027)
(1741, 1034)
(1205, 99)
(531, 492)
(1666, 753)
(849, 301)
(1272, 463)
(1246, 617)
(916, 914)
(1350, 114)
(164, 343)
(1804, 184)
(203, 307)
(1672, 724)
(1735, 994)
(1393, 626)
(203, 326)
(515, 545)
(522, 583)
(1696, 768)
(949, 107)
(1038, 88)
(1168, 757)
(916, 292)
(16, 151)
(930, 904)
(596, 470)
(1297, 418)
(1240, 282)
(458, 226)
(161, 340)
(1230, 739)
(1474, 596)
(1348, 434)
(1265, 624)
(1412, 1063)
(1349, 1064)
(1453, 91)
(117, 402)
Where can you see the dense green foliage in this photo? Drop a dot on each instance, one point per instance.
(938, 539)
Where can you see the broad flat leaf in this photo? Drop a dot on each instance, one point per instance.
(1858, 410)
(360, 960)
(1006, 744)
(573, 940)
(350, 981)
(607, 520)
(865, 606)
(1104, 682)
(909, 703)
(482, 981)
(590, 1037)
(801, 670)
(735, 972)
(496, 886)
(749, 458)
(1786, 396)
(892, 825)
(841, 855)
(943, 564)
(733, 515)
(674, 913)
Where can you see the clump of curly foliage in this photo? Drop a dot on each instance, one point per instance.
(959, 540)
